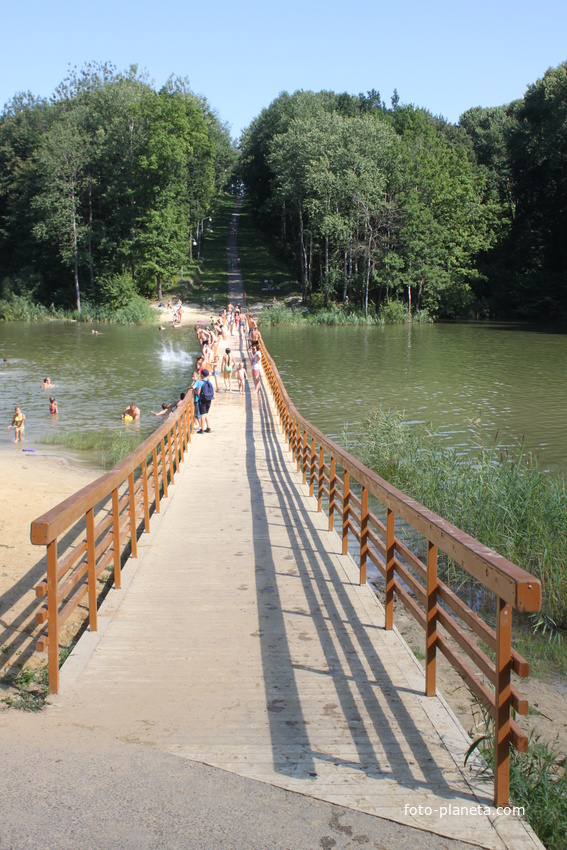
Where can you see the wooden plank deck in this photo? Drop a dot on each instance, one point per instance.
(242, 640)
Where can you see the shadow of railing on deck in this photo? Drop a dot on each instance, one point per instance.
(287, 726)
(286, 720)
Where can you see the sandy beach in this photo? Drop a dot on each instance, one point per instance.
(34, 482)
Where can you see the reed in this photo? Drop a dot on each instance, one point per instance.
(538, 782)
(494, 492)
(110, 446)
(21, 308)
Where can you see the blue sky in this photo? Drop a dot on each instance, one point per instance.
(444, 55)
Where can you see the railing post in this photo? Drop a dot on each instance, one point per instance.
(156, 479)
(183, 429)
(304, 457)
(132, 503)
(346, 511)
(170, 452)
(163, 467)
(176, 446)
(181, 437)
(332, 493)
(502, 703)
(431, 621)
(389, 595)
(146, 496)
(52, 618)
(298, 446)
(363, 534)
(320, 479)
(91, 570)
(312, 468)
(116, 538)
(290, 433)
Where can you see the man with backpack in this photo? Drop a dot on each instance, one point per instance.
(206, 394)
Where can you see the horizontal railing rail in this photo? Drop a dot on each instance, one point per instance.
(482, 655)
(95, 526)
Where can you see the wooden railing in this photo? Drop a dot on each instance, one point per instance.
(450, 626)
(95, 526)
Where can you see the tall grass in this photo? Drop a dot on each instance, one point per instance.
(279, 314)
(136, 312)
(110, 446)
(334, 314)
(495, 493)
(538, 782)
(21, 308)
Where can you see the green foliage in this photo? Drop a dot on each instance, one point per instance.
(538, 782)
(117, 290)
(108, 175)
(112, 446)
(395, 313)
(369, 202)
(261, 259)
(334, 315)
(21, 308)
(30, 689)
(495, 493)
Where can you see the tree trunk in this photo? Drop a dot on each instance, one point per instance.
(303, 259)
(326, 271)
(132, 202)
(367, 281)
(159, 292)
(75, 255)
(90, 238)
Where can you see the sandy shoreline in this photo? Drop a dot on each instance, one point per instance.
(33, 483)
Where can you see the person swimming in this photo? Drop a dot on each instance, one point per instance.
(131, 413)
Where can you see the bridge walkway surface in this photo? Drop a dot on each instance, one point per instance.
(242, 641)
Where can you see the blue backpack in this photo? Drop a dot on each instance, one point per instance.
(207, 392)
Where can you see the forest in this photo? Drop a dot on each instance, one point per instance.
(377, 205)
(105, 188)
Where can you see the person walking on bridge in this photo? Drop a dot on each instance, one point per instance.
(206, 395)
(255, 363)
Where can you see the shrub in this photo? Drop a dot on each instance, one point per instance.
(118, 290)
(395, 313)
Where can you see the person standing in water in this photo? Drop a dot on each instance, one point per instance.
(18, 424)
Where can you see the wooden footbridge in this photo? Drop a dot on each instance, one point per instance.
(238, 632)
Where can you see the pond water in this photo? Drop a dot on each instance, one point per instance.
(512, 378)
(96, 377)
(507, 380)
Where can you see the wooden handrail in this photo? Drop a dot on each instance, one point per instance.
(101, 544)
(422, 591)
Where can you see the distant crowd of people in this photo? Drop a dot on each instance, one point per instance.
(212, 365)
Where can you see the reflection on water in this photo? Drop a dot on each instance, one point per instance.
(508, 380)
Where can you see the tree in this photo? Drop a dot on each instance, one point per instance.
(63, 158)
